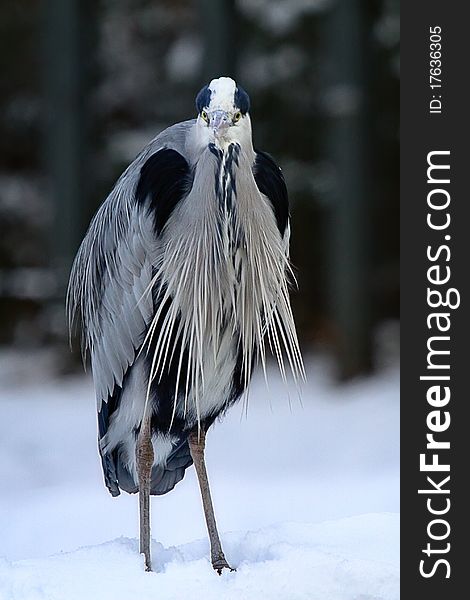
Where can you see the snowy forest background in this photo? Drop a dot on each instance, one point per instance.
(85, 84)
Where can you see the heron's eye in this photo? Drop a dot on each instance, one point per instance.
(205, 116)
(237, 116)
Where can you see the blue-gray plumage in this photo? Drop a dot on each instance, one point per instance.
(179, 282)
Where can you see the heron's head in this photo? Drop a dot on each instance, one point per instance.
(223, 117)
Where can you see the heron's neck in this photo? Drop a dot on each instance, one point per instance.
(201, 140)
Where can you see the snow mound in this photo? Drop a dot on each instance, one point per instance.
(347, 559)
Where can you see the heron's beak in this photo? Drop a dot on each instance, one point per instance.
(219, 121)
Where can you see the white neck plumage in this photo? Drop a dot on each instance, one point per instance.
(224, 271)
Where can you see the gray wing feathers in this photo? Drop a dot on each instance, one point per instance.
(111, 276)
(114, 299)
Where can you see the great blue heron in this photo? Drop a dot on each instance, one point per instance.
(180, 280)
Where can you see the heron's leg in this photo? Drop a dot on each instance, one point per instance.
(197, 443)
(144, 455)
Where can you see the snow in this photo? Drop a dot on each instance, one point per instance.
(349, 558)
(306, 499)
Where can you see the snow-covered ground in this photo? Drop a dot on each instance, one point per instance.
(306, 498)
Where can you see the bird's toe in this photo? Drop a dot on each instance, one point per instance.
(219, 564)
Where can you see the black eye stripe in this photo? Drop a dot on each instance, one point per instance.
(203, 98)
(242, 100)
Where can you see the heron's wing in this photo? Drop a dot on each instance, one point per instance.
(111, 278)
(270, 182)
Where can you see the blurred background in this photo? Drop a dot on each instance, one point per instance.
(86, 84)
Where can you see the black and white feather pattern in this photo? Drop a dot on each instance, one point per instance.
(179, 284)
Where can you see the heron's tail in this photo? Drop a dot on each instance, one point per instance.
(120, 473)
(165, 477)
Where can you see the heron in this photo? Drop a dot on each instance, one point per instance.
(180, 286)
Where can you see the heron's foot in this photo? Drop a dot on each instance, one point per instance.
(219, 563)
(147, 562)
